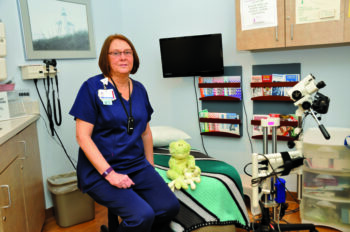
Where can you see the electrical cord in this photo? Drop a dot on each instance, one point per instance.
(65, 151)
(199, 124)
(250, 140)
(53, 131)
(245, 169)
(59, 143)
(257, 218)
(246, 117)
(278, 219)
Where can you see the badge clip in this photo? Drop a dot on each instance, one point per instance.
(104, 82)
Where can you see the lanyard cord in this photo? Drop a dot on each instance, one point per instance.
(121, 99)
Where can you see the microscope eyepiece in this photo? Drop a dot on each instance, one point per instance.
(320, 84)
(296, 95)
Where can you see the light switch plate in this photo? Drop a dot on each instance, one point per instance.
(3, 72)
(2, 40)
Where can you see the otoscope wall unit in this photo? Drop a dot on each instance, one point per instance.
(36, 71)
(221, 104)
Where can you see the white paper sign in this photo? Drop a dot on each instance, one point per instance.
(258, 14)
(307, 11)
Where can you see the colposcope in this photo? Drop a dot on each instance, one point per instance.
(267, 167)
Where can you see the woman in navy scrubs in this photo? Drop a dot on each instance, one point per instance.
(115, 164)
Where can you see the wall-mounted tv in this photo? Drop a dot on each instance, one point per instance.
(197, 55)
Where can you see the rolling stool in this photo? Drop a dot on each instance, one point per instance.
(247, 190)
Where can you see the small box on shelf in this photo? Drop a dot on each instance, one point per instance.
(219, 124)
(224, 128)
(285, 131)
(272, 87)
(225, 88)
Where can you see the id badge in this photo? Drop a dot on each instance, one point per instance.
(106, 96)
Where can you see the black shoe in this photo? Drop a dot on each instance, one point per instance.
(104, 228)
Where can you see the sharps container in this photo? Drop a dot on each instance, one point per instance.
(71, 206)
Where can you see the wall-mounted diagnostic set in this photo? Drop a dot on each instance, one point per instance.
(48, 73)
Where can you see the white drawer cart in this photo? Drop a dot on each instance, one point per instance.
(326, 180)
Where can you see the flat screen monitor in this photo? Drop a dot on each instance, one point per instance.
(198, 55)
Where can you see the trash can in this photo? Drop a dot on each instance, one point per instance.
(71, 206)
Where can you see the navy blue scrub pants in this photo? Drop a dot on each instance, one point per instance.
(147, 206)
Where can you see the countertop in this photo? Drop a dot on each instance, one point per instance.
(11, 127)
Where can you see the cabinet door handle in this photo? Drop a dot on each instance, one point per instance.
(9, 195)
(276, 35)
(25, 150)
(291, 31)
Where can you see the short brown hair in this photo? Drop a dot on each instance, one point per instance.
(103, 61)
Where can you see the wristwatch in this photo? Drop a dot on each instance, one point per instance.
(105, 173)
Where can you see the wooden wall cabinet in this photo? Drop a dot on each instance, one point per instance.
(22, 205)
(347, 22)
(289, 34)
(328, 32)
(264, 38)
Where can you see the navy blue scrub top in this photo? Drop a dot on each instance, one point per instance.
(124, 152)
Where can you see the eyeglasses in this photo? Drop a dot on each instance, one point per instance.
(127, 53)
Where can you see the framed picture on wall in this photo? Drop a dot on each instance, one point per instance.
(57, 29)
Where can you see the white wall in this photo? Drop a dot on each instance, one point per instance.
(173, 100)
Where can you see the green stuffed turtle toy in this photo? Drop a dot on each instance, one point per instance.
(182, 167)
